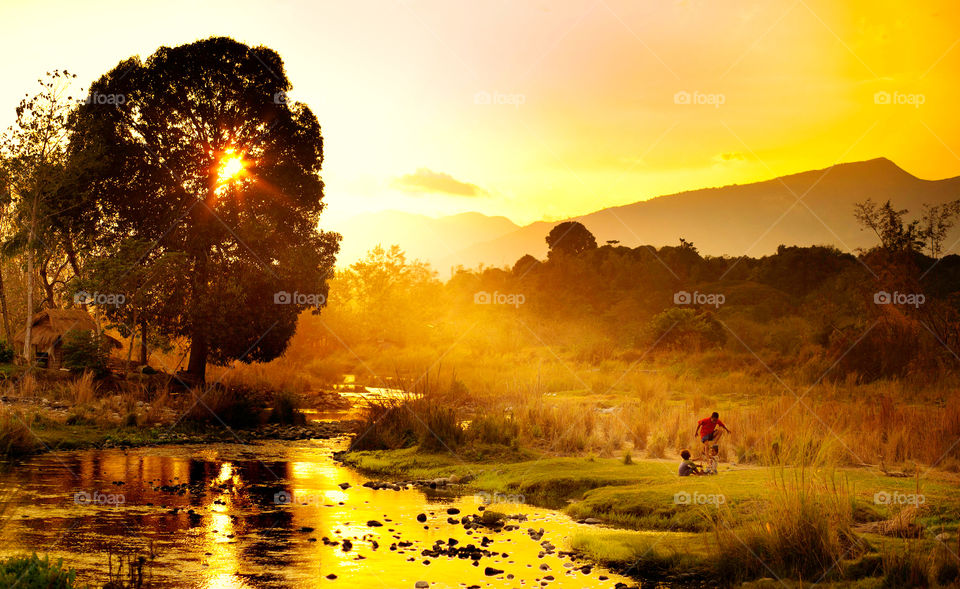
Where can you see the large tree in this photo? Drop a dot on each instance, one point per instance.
(571, 238)
(201, 155)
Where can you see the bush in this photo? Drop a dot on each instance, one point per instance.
(686, 329)
(286, 408)
(391, 424)
(6, 353)
(440, 429)
(386, 425)
(658, 446)
(905, 570)
(16, 438)
(85, 350)
(233, 406)
(494, 429)
(32, 572)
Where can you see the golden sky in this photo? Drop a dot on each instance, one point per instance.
(549, 109)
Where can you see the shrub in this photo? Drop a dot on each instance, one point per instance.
(232, 406)
(85, 350)
(905, 570)
(32, 572)
(440, 428)
(286, 408)
(391, 424)
(6, 353)
(947, 572)
(658, 446)
(81, 390)
(15, 436)
(494, 429)
(686, 328)
(386, 425)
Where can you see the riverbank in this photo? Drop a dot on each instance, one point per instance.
(663, 526)
(36, 424)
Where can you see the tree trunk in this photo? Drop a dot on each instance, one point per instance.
(7, 332)
(71, 254)
(199, 344)
(197, 365)
(47, 284)
(133, 336)
(28, 330)
(143, 341)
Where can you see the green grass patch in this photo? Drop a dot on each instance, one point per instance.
(648, 554)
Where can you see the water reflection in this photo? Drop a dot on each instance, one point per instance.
(276, 515)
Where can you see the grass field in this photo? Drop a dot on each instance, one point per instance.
(715, 527)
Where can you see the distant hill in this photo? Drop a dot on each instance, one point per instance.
(421, 237)
(751, 219)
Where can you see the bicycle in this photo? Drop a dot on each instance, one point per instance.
(708, 458)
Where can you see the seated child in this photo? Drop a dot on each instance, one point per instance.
(688, 467)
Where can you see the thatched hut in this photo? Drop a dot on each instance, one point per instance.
(49, 327)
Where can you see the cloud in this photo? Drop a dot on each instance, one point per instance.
(425, 180)
(731, 156)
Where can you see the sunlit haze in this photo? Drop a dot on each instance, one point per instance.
(553, 109)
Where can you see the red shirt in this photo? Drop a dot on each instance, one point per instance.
(707, 426)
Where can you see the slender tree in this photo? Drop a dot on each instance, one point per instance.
(34, 154)
(935, 222)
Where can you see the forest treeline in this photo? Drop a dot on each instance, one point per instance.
(889, 312)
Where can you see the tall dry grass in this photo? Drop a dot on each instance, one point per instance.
(561, 406)
(280, 375)
(806, 532)
(16, 438)
(82, 390)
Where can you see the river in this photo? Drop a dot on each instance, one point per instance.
(276, 514)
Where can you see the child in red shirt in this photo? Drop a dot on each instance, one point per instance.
(707, 428)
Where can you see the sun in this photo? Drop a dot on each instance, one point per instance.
(232, 165)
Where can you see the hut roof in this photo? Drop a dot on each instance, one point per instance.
(51, 324)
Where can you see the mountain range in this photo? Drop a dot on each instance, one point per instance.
(809, 208)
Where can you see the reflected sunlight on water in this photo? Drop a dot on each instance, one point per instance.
(277, 515)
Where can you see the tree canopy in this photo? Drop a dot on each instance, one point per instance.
(200, 155)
